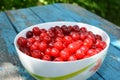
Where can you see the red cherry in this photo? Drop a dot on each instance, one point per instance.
(36, 54)
(33, 47)
(64, 54)
(98, 50)
(80, 54)
(91, 52)
(54, 52)
(102, 45)
(42, 46)
(58, 59)
(46, 58)
(25, 50)
(75, 35)
(68, 39)
(76, 28)
(29, 44)
(37, 38)
(84, 48)
(91, 36)
(72, 58)
(51, 44)
(31, 40)
(43, 30)
(36, 31)
(48, 51)
(72, 47)
(29, 34)
(83, 35)
(46, 39)
(57, 39)
(97, 36)
(22, 41)
(83, 29)
(51, 34)
(42, 35)
(58, 45)
(88, 42)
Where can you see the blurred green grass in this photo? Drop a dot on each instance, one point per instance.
(108, 9)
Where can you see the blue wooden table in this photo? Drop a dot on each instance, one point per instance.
(13, 21)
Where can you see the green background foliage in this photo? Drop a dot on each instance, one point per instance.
(108, 9)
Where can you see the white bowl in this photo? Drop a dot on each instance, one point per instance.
(71, 70)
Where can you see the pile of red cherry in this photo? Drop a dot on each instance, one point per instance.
(61, 43)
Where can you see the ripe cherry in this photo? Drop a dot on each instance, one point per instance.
(58, 45)
(29, 34)
(54, 52)
(36, 54)
(72, 58)
(80, 54)
(58, 59)
(22, 41)
(46, 58)
(42, 46)
(36, 31)
(64, 54)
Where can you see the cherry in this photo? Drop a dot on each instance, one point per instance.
(29, 34)
(59, 39)
(72, 47)
(46, 58)
(91, 52)
(31, 40)
(102, 45)
(75, 35)
(88, 42)
(72, 58)
(25, 50)
(43, 30)
(36, 54)
(83, 29)
(54, 52)
(64, 54)
(42, 46)
(84, 48)
(58, 45)
(48, 51)
(46, 39)
(51, 34)
(58, 59)
(33, 47)
(80, 53)
(68, 39)
(97, 36)
(22, 41)
(83, 35)
(36, 31)
(76, 28)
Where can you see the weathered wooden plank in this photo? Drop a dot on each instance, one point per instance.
(49, 13)
(10, 65)
(22, 18)
(82, 15)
